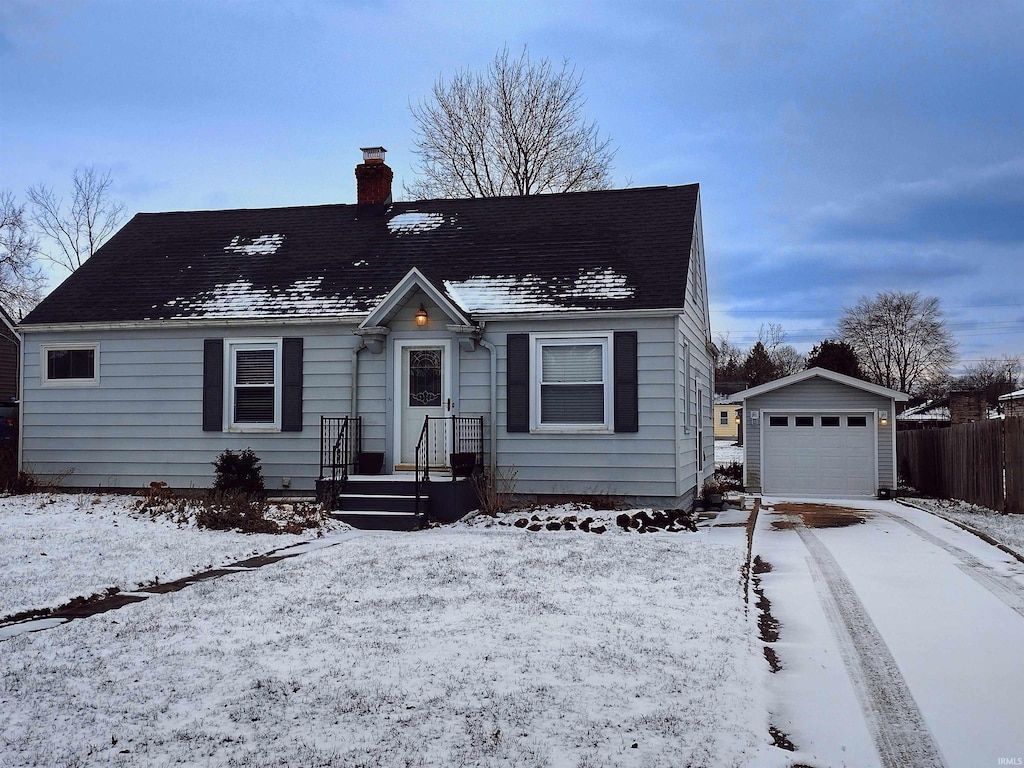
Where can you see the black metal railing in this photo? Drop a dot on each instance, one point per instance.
(340, 445)
(453, 442)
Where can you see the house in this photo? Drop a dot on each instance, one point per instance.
(958, 407)
(565, 337)
(819, 433)
(10, 348)
(1012, 404)
(727, 415)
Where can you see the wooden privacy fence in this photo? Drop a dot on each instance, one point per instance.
(981, 463)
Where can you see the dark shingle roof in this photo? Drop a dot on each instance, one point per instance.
(618, 249)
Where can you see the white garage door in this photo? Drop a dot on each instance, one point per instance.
(819, 454)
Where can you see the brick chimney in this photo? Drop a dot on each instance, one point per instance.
(373, 177)
(966, 406)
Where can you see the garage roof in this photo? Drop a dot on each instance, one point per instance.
(822, 373)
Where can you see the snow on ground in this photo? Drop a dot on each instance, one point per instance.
(948, 607)
(1006, 529)
(60, 546)
(453, 646)
(726, 452)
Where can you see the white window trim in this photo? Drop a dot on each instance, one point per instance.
(46, 381)
(230, 345)
(537, 343)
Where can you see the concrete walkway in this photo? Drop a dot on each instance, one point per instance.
(900, 636)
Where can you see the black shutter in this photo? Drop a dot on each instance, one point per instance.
(517, 380)
(213, 385)
(627, 407)
(291, 389)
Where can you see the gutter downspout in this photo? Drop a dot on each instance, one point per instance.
(494, 406)
(355, 376)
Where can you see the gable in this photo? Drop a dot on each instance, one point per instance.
(608, 250)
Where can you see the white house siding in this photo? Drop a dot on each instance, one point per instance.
(143, 421)
(694, 370)
(818, 395)
(640, 465)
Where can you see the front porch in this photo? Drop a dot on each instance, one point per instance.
(363, 491)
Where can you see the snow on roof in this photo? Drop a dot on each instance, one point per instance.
(928, 411)
(1013, 395)
(263, 245)
(239, 299)
(522, 293)
(415, 221)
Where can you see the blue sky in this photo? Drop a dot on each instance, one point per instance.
(842, 148)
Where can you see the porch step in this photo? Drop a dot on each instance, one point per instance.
(370, 520)
(383, 502)
(379, 502)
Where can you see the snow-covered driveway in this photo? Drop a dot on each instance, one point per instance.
(900, 637)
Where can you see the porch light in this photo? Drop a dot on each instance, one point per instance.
(421, 316)
(883, 418)
(739, 418)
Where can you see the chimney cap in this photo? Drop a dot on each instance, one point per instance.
(373, 154)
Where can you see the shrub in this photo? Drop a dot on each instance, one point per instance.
(234, 510)
(238, 473)
(495, 492)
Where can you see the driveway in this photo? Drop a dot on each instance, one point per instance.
(900, 636)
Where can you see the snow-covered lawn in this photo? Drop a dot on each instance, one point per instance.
(55, 547)
(454, 646)
(726, 452)
(1006, 529)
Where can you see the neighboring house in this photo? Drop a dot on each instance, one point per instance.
(819, 433)
(10, 349)
(726, 419)
(572, 328)
(931, 414)
(958, 407)
(1013, 404)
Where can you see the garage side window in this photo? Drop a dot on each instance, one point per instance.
(70, 365)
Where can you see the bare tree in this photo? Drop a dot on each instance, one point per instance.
(729, 363)
(80, 229)
(901, 339)
(785, 356)
(993, 376)
(20, 279)
(516, 129)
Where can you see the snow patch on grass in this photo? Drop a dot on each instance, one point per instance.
(57, 547)
(455, 646)
(1006, 529)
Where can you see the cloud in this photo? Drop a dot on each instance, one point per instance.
(976, 205)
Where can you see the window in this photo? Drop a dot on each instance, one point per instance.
(254, 377)
(830, 421)
(856, 421)
(804, 421)
(778, 421)
(723, 418)
(72, 364)
(572, 383)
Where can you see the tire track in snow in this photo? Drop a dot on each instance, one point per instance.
(1005, 589)
(894, 720)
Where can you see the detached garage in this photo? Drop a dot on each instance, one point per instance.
(819, 433)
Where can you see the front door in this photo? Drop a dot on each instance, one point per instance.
(424, 391)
